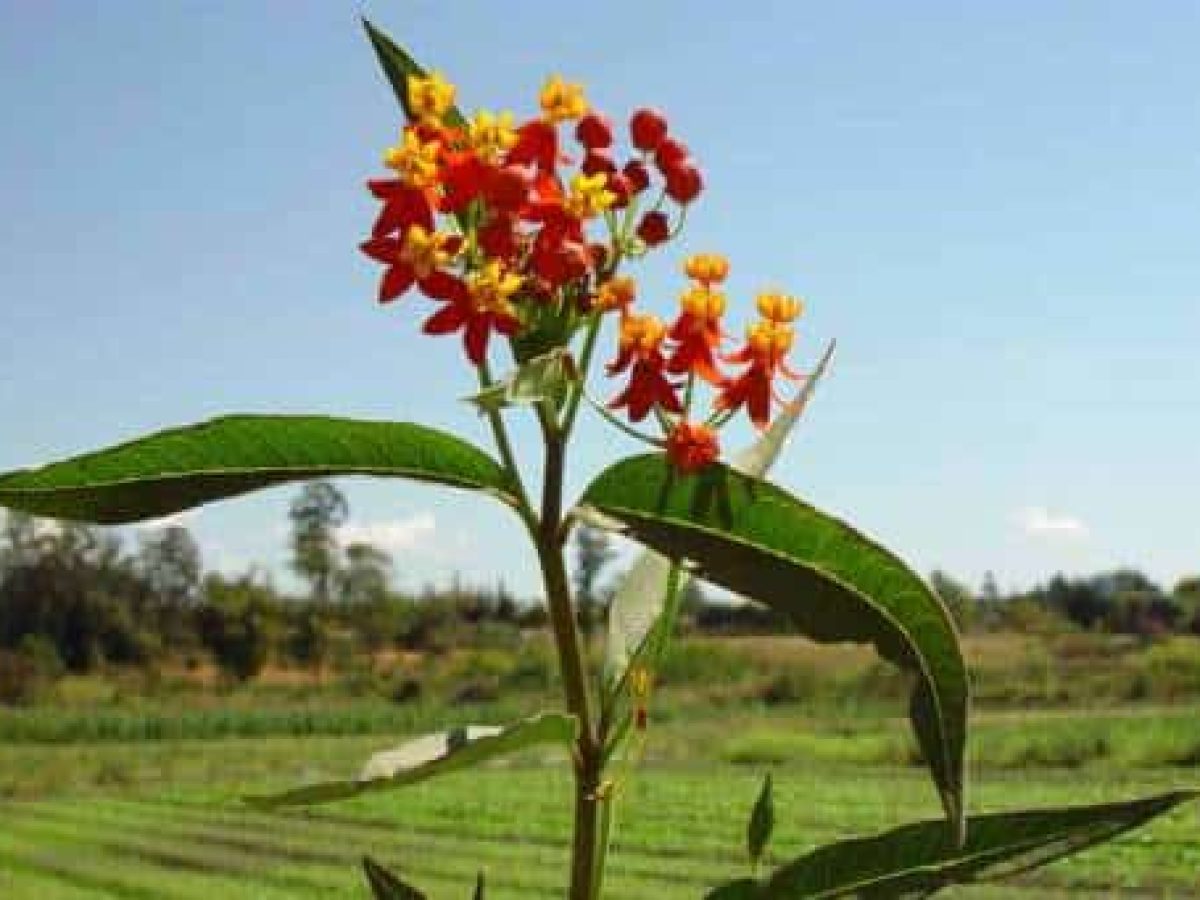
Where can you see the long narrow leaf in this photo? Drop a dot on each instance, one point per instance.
(185, 467)
(385, 885)
(431, 755)
(920, 859)
(831, 581)
(397, 65)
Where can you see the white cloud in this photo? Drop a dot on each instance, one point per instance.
(1037, 521)
(392, 535)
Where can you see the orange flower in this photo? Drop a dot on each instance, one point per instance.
(782, 308)
(617, 292)
(707, 268)
(697, 333)
(641, 352)
(691, 447)
(767, 343)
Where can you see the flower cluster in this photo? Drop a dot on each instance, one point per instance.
(513, 232)
(689, 349)
(493, 219)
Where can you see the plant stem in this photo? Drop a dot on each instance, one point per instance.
(585, 363)
(500, 435)
(550, 539)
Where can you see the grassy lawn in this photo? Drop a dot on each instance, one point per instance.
(161, 818)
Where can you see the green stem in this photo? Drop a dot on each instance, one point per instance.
(617, 423)
(585, 363)
(507, 458)
(550, 538)
(607, 814)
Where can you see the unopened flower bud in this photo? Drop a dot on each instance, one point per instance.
(654, 228)
(684, 182)
(669, 154)
(619, 184)
(598, 160)
(637, 173)
(594, 131)
(647, 128)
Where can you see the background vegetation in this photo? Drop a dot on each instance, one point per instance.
(141, 696)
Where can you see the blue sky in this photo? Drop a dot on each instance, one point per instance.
(993, 207)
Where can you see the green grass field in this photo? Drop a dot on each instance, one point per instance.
(161, 818)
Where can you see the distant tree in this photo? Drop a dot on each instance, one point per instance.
(1079, 600)
(367, 574)
(310, 640)
(73, 585)
(506, 605)
(593, 551)
(957, 597)
(20, 541)
(1186, 594)
(170, 563)
(1136, 605)
(988, 591)
(237, 623)
(316, 514)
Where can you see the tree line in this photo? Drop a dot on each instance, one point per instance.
(76, 598)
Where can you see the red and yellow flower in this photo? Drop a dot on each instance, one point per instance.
(420, 257)
(616, 293)
(641, 353)
(430, 96)
(697, 334)
(478, 306)
(767, 345)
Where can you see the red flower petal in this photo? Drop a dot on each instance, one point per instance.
(382, 249)
(442, 285)
(475, 338)
(396, 280)
(447, 319)
(537, 143)
(403, 208)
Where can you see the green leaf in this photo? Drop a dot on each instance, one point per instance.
(433, 754)
(831, 581)
(638, 601)
(398, 66)
(920, 859)
(742, 889)
(185, 467)
(761, 824)
(385, 885)
(544, 377)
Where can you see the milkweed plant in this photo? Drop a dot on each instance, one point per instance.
(518, 238)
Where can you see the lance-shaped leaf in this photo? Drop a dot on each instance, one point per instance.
(920, 859)
(431, 755)
(834, 583)
(638, 600)
(185, 467)
(397, 65)
(544, 377)
(761, 823)
(385, 885)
